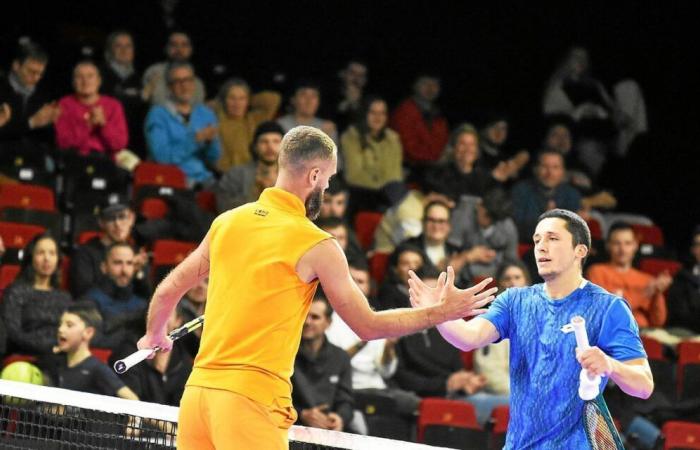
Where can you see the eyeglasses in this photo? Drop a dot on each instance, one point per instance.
(437, 221)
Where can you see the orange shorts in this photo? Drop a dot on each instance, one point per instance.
(223, 420)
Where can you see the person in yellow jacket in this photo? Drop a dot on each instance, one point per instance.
(264, 261)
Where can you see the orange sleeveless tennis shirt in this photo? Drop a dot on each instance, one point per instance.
(256, 303)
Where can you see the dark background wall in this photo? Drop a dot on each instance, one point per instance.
(489, 56)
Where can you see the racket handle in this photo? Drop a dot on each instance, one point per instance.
(579, 324)
(130, 361)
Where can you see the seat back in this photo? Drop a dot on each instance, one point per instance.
(155, 174)
(27, 196)
(435, 411)
(366, 223)
(688, 358)
(655, 266)
(681, 435)
(648, 234)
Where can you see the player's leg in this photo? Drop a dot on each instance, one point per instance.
(193, 421)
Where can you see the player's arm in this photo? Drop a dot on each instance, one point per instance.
(465, 336)
(619, 353)
(127, 393)
(182, 278)
(634, 376)
(327, 262)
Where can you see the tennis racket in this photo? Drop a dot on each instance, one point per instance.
(597, 422)
(130, 361)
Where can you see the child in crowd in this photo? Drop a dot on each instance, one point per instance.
(76, 368)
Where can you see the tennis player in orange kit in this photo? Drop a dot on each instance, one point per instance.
(264, 261)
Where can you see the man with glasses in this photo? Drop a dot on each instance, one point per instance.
(184, 131)
(433, 241)
(155, 85)
(116, 220)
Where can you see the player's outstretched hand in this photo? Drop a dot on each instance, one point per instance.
(456, 303)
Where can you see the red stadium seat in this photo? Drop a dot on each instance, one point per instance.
(151, 173)
(153, 208)
(500, 415)
(442, 421)
(648, 234)
(688, 362)
(655, 266)
(168, 252)
(681, 435)
(8, 273)
(523, 249)
(27, 196)
(378, 264)
(9, 359)
(65, 273)
(365, 224)
(467, 359)
(654, 348)
(596, 229)
(18, 235)
(207, 201)
(87, 235)
(102, 354)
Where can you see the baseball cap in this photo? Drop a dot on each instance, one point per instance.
(112, 205)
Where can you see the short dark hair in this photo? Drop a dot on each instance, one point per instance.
(28, 49)
(581, 234)
(321, 297)
(114, 245)
(497, 204)
(548, 151)
(88, 313)
(358, 262)
(170, 68)
(336, 186)
(330, 222)
(501, 271)
(304, 144)
(428, 271)
(306, 83)
(620, 225)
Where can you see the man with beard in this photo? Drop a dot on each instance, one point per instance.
(264, 261)
(121, 309)
(244, 183)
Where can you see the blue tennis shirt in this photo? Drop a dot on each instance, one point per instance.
(545, 409)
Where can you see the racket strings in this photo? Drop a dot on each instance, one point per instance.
(598, 430)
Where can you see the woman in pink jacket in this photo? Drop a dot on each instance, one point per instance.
(89, 122)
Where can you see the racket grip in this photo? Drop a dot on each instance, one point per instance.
(588, 387)
(130, 361)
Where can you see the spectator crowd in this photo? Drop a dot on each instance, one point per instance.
(414, 192)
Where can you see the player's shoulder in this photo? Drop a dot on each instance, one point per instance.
(601, 295)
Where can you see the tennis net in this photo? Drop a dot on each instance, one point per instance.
(40, 417)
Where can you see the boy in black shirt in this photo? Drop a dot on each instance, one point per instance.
(78, 369)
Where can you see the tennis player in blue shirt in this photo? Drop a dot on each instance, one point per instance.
(545, 409)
